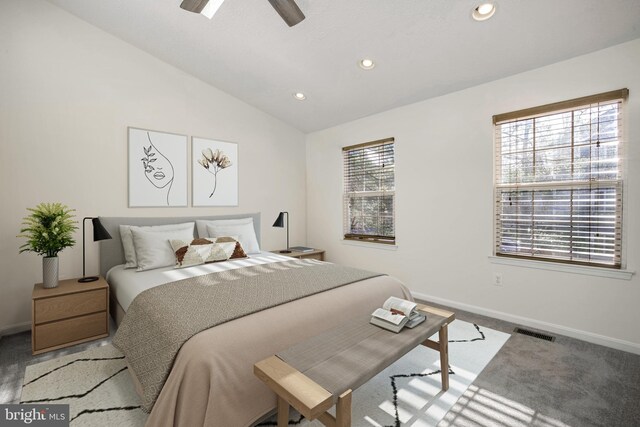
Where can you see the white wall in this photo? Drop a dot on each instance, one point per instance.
(68, 91)
(444, 202)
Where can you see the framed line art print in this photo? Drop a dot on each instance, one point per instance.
(214, 169)
(157, 169)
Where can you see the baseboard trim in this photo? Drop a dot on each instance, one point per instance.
(616, 343)
(14, 329)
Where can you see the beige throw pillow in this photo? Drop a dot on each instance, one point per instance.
(205, 250)
(197, 252)
(231, 245)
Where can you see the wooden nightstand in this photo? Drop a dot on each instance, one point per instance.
(67, 315)
(315, 254)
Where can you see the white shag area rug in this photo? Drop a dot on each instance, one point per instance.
(96, 384)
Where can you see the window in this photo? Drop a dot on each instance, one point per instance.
(558, 181)
(369, 192)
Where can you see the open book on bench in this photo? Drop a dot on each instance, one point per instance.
(396, 313)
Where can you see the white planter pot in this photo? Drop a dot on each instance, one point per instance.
(50, 272)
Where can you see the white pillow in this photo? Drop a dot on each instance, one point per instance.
(153, 249)
(242, 228)
(127, 238)
(201, 224)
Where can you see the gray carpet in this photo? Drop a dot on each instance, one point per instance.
(95, 383)
(530, 382)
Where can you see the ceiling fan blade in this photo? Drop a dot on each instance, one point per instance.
(288, 10)
(195, 6)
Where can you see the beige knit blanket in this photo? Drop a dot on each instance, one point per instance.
(161, 319)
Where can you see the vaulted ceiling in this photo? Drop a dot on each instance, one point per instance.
(422, 48)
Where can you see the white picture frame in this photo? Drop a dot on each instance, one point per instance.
(157, 168)
(214, 172)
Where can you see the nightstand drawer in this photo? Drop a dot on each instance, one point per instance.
(318, 256)
(313, 254)
(70, 330)
(65, 306)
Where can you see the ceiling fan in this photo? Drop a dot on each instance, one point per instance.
(287, 9)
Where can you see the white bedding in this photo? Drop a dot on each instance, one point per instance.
(126, 284)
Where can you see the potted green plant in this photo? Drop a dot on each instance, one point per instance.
(48, 230)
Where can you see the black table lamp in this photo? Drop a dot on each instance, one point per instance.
(280, 223)
(99, 233)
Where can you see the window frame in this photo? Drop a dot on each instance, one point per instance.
(499, 187)
(367, 238)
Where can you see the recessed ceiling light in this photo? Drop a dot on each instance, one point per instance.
(484, 11)
(299, 96)
(366, 64)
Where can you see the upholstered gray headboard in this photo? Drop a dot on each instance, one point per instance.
(111, 252)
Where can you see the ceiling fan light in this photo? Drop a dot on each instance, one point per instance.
(288, 11)
(484, 11)
(194, 6)
(207, 8)
(211, 8)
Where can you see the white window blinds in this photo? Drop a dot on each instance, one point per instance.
(558, 181)
(369, 191)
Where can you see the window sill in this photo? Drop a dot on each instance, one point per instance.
(384, 246)
(566, 268)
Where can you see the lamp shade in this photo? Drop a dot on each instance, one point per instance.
(99, 232)
(279, 221)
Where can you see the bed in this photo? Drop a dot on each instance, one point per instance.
(211, 380)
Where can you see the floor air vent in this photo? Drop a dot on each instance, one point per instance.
(534, 334)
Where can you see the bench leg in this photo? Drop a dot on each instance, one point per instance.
(443, 337)
(343, 410)
(283, 412)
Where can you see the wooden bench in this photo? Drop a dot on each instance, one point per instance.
(323, 370)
